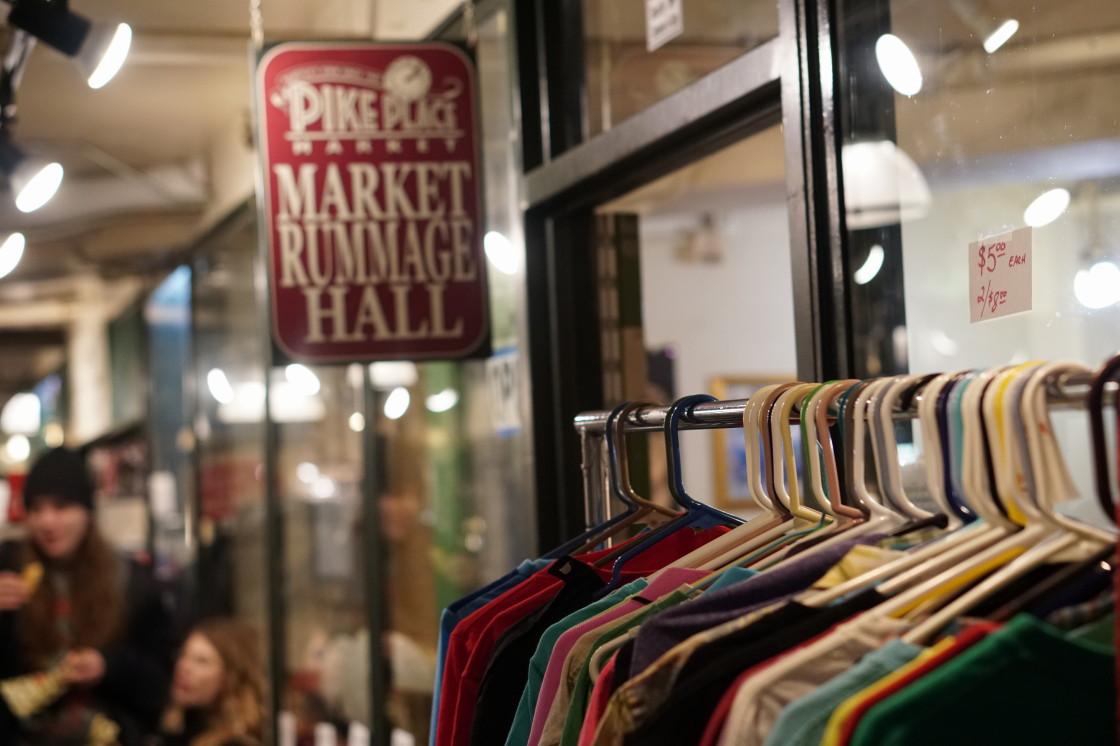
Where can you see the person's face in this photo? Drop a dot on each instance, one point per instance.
(199, 674)
(57, 527)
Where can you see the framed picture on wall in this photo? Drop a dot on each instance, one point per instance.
(729, 448)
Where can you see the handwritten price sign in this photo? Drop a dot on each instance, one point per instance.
(999, 275)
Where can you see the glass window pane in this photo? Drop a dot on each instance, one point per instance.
(949, 137)
(704, 300)
(622, 77)
(229, 379)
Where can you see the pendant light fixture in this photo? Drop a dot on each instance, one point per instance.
(99, 49)
(33, 182)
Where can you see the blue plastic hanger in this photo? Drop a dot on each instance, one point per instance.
(697, 514)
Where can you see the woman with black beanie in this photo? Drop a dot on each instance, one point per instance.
(85, 639)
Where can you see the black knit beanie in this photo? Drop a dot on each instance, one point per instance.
(62, 474)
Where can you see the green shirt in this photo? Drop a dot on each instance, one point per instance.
(523, 718)
(1027, 683)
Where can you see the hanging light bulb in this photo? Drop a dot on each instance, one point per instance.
(99, 49)
(396, 403)
(871, 266)
(104, 53)
(11, 251)
(1098, 286)
(1001, 35)
(898, 65)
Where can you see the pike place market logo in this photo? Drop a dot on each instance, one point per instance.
(331, 103)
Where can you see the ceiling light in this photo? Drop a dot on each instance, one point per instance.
(396, 403)
(99, 49)
(307, 472)
(323, 488)
(1046, 208)
(999, 37)
(303, 379)
(357, 422)
(390, 375)
(219, 386)
(898, 65)
(18, 448)
(502, 253)
(11, 251)
(1099, 286)
(33, 182)
(871, 265)
(882, 185)
(944, 344)
(22, 415)
(104, 53)
(444, 401)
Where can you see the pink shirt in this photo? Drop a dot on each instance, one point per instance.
(670, 580)
(597, 704)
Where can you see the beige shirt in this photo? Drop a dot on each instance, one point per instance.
(762, 697)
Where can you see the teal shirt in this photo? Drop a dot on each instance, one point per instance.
(523, 718)
(803, 722)
(731, 576)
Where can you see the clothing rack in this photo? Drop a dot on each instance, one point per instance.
(729, 413)
(1069, 393)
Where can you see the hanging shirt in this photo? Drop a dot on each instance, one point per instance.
(760, 700)
(846, 716)
(597, 702)
(506, 675)
(665, 582)
(712, 669)
(460, 609)
(803, 721)
(474, 640)
(717, 607)
(1026, 683)
(573, 716)
(519, 730)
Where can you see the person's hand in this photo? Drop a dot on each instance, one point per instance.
(13, 591)
(84, 666)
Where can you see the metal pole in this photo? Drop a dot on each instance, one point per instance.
(375, 576)
(725, 414)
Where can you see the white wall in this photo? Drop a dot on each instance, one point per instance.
(734, 318)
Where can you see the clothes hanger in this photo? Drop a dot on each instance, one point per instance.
(955, 424)
(917, 566)
(784, 459)
(987, 550)
(892, 484)
(760, 529)
(815, 421)
(949, 443)
(933, 458)
(881, 516)
(620, 463)
(1050, 473)
(605, 530)
(1109, 372)
(618, 484)
(976, 472)
(746, 539)
(1056, 484)
(696, 513)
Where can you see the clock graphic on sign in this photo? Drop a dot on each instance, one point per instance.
(408, 78)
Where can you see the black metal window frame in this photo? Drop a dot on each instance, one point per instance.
(789, 79)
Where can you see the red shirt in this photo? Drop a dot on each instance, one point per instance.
(597, 704)
(474, 639)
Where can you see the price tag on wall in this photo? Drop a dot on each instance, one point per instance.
(664, 22)
(1000, 272)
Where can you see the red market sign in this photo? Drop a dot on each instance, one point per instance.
(371, 203)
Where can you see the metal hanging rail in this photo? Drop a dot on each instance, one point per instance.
(729, 413)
